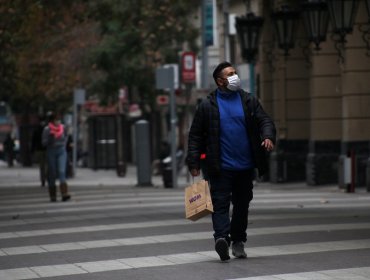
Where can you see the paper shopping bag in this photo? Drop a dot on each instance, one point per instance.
(198, 202)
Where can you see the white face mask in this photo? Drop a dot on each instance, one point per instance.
(234, 83)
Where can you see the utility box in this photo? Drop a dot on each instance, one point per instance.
(103, 141)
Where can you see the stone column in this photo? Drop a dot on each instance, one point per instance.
(291, 113)
(325, 116)
(266, 65)
(356, 99)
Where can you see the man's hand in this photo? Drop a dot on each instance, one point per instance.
(268, 145)
(195, 172)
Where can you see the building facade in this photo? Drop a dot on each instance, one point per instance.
(319, 99)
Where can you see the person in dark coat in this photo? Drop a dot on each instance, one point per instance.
(9, 145)
(39, 151)
(232, 129)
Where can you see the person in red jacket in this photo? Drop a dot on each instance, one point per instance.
(54, 138)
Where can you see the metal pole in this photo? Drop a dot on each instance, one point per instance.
(204, 48)
(225, 8)
(78, 99)
(120, 165)
(173, 137)
(74, 150)
(165, 79)
(353, 171)
(252, 81)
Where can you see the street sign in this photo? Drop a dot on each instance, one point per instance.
(188, 67)
(162, 99)
(165, 78)
(79, 96)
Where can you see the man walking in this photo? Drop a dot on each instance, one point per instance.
(235, 132)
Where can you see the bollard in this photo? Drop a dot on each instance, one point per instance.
(368, 175)
(144, 170)
(350, 171)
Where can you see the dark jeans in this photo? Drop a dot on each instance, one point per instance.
(236, 187)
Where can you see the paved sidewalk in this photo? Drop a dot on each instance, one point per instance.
(19, 176)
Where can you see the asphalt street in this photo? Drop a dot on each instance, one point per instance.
(114, 229)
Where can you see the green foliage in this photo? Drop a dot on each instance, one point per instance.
(138, 36)
(47, 48)
(9, 24)
(43, 51)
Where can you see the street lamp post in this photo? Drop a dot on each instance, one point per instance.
(285, 22)
(342, 16)
(249, 29)
(366, 30)
(316, 20)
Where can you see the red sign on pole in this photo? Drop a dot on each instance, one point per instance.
(188, 67)
(162, 100)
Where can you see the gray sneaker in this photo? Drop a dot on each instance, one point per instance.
(222, 249)
(238, 250)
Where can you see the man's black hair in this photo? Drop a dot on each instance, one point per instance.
(219, 68)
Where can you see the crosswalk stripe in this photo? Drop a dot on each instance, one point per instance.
(86, 194)
(252, 217)
(95, 202)
(82, 197)
(357, 273)
(178, 237)
(51, 208)
(137, 225)
(178, 198)
(83, 193)
(174, 259)
(120, 198)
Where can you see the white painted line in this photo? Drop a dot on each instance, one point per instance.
(178, 237)
(254, 205)
(162, 223)
(297, 198)
(53, 208)
(57, 270)
(88, 195)
(252, 217)
(178, 259)
(73, 203)
(358, 273)
(18, 274)
(101, 266)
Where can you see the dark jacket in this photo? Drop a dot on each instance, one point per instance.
(36, 144)
(205, 131)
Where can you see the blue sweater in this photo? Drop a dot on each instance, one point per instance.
(234, 141)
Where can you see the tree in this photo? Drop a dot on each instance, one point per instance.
(47, 48)
(9, 24)
(43, 51)
(138, 36)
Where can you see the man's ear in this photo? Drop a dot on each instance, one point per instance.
(219, 81)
